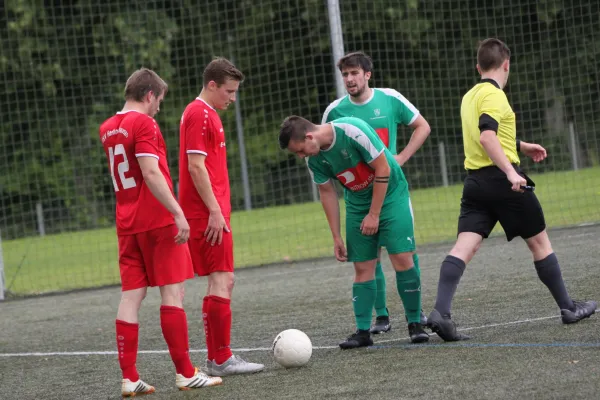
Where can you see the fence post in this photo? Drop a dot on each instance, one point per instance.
(443, 163)
(2, 288)
(573, 141)
(40, 219)
(242, 145)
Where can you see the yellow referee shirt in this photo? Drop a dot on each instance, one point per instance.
(485, 107)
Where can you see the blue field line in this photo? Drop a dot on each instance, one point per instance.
(482, 345)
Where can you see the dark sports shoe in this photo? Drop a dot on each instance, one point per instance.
(423, 318)
(382, 325)
(357, 339)
(417, 334)
(444, 327)
(583, 309)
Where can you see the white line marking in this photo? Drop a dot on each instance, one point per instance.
(251, 349)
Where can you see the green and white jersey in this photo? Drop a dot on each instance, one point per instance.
(355, 145)
(384, 111)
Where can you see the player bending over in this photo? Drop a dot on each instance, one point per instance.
(384, 110)
(378, 211)
(152, 232)
(497, 190)
(204, 194)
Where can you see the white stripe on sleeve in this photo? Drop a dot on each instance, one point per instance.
(146, 155)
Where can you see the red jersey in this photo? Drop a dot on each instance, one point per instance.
(126, 136)
(201, 132)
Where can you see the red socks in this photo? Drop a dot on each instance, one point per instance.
(174, 326)
(127, 345)
(216, 313)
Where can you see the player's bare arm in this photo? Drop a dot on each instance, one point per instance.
(370, 223)
(159, 187)
(421, 131)
(534, 151)
(201, 179)
(493, 148)
(329, 201)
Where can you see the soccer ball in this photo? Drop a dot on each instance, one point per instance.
(292, 348)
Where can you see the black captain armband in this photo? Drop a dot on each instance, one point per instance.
(518, 145)
(487, 123)
(382, 179)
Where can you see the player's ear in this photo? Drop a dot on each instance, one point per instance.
(506, 65)
(368, 75)
(478, 69)
(148, 97)
(212, 85)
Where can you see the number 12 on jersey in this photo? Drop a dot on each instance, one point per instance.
(123, 167)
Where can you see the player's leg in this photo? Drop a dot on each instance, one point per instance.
(362, 251)
(523, 216)
(382, 317)
(216, 262)
(475, 223)
(169, 266)
(408, 284)
(364, 291)
(396, 233)
(134, 284)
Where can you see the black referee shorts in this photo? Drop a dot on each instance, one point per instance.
(488, 198)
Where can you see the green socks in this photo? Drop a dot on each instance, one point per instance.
(380, 299)
(416, 261)
(363, 299)
(409, 288)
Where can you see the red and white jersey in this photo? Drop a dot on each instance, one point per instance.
(126, 136)
(201, 132)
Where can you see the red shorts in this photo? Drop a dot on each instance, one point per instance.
(206, 258)
(153, 258)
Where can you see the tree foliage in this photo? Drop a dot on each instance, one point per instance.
(63, 66)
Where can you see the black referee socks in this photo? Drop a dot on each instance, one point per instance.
(450, 273)
(549, 273)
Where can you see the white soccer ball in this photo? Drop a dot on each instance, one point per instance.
(292, 348)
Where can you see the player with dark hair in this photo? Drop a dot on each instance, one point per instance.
(384, 110)
(152, 232)
(204, 194)
(497, 190)
(378, 211)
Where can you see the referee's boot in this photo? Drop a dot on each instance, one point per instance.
(382, 324)
(445, 327)
(361, 338)
(583, 309)
(416, 333)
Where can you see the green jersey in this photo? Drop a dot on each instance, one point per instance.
(384, 111)
(355, 145)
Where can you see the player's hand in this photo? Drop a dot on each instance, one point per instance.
(400, 159)
(183, 228)
(516, 181)
(534, 151)
(216, 225)
(369, 225)
(340, 250)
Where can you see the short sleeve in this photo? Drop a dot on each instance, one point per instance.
(198, 131)
(365, 141)
(146, 138)
(493, 107)
(317, 172)
(330, 113)
(405, 112)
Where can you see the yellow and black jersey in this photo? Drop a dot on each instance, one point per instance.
(485, 107)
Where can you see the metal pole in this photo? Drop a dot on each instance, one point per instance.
(240, 135)
(337, 50)
(443, 163)
(337, 42)
(2, 288)
(573, 142)
(40, 219)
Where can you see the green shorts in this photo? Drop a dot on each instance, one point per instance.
(396, 232)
